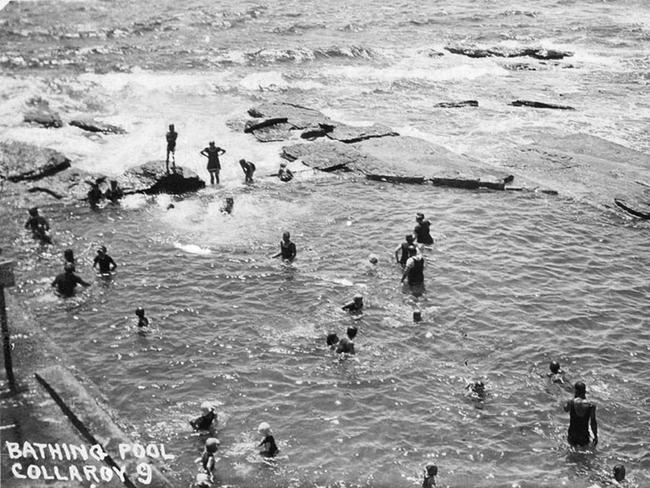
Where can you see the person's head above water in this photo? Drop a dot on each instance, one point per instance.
(358, 298)
(139, 312)
(286, 235)
(264, 428)
(211, 444)
(409, 238)
(580, 389)
(33, 211)
(68, 268)
(373, 259)
(352, 332)
(619, 472)
(554, 366)
(432, 470)
(68, 255)
(332, 339)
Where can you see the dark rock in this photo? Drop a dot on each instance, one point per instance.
(152, 177)
(466, 183)
(253, 125)
(277, 132)
(410, 180)
(44, 118)
(20, 161)
(465, 103)
(314, 133)
(96, 126)
(350, 134)
(637, 212)
(471, 52)
(537, 53)
(296, 115)
(533, 104)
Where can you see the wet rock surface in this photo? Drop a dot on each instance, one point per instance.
(298, 116)
(534, 104)
(502, 52)
(91, 125)
(349, 134)
(20, 161)
(45, 118)
(464, 103)
(152, 177)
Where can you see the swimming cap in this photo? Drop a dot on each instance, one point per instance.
(409, 238)
(264, 427)
(211, 444)
(283, 164)
(373, 259)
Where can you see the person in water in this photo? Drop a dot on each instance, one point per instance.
(38, 225)
(346, 344)
(422, 230)
(208, 416)
(66, 282)
(268, 445)
(407, 249)
(142, 320)
(68, 258)
(114, 192)
(171, 137)
(430, 474)
(228, 205)
(94, 195)
(555, 374)
(103, 261)
(332, 340)
(213, 152)
(619, 473)
(476, 390)
(202, 480)
(355, 306)
(287, 248)
(582, 415)
(207, 459)
(248, 168)
(414, 270)
(284, 173)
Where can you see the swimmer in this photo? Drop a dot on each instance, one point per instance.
(142, 320)
(105, 262)
(555, 374)
(68, 257)
(94, 195)
(582, 414)
(248, 168)
(284, 173)
(355, 306)
(202, 481)
(414, 270)
(213, 152)
(372, 259)
(422, 232)
(619, 473)
(268, 445)
(227, 207)
(430, 474)
(407, 248)
(287, 248)
(332, 340)
(476, 389)
(38, 225)
(171, 137)
(346, 345)
(207, 459)
(208, 416)
(114, 193)
(67, 281)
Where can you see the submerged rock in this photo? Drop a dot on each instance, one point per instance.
(464, 103)
(96, 126)
(45, 118)
(152, 177)
(533, 104)
(21, 161)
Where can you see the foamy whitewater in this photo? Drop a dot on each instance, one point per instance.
(513, 281)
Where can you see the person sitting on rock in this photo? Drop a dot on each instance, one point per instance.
(284, 173)
(38, 225)
(248, 168)
(66, 282)
(114, 193)
(171, 137)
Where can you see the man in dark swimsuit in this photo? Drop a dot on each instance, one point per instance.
(408, 249)
(422, 231)
(114, 193)
(94, 195)
(355, 306)
(346, 344)
(67, 281)
(105, 262)
(414, 270)
(171, 136)
(38, 225)
(287, 248)
(582, 414)
(248, 168)
(214, 166)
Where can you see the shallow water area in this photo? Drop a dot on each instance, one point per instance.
(512, 282)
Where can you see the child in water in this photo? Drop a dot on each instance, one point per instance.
(142, 320)
(208, 416)
(430, 476)
(207, 459)
(202, 481)
(555, 374)
(268, 445)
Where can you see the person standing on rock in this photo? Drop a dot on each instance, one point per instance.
(582, 415)
(38, 225)
(213, 152)
(248, 168)
(422, 230)
(171, 136)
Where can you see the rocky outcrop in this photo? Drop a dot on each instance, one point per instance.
(45, 118)
(533, 104)
(299, 117)
(152, 177)
(349, 134)
(328, 156)
(502, 52)
(269, 133)
(96, 126)
(70, 184)
(464, 103)
(20, 161)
